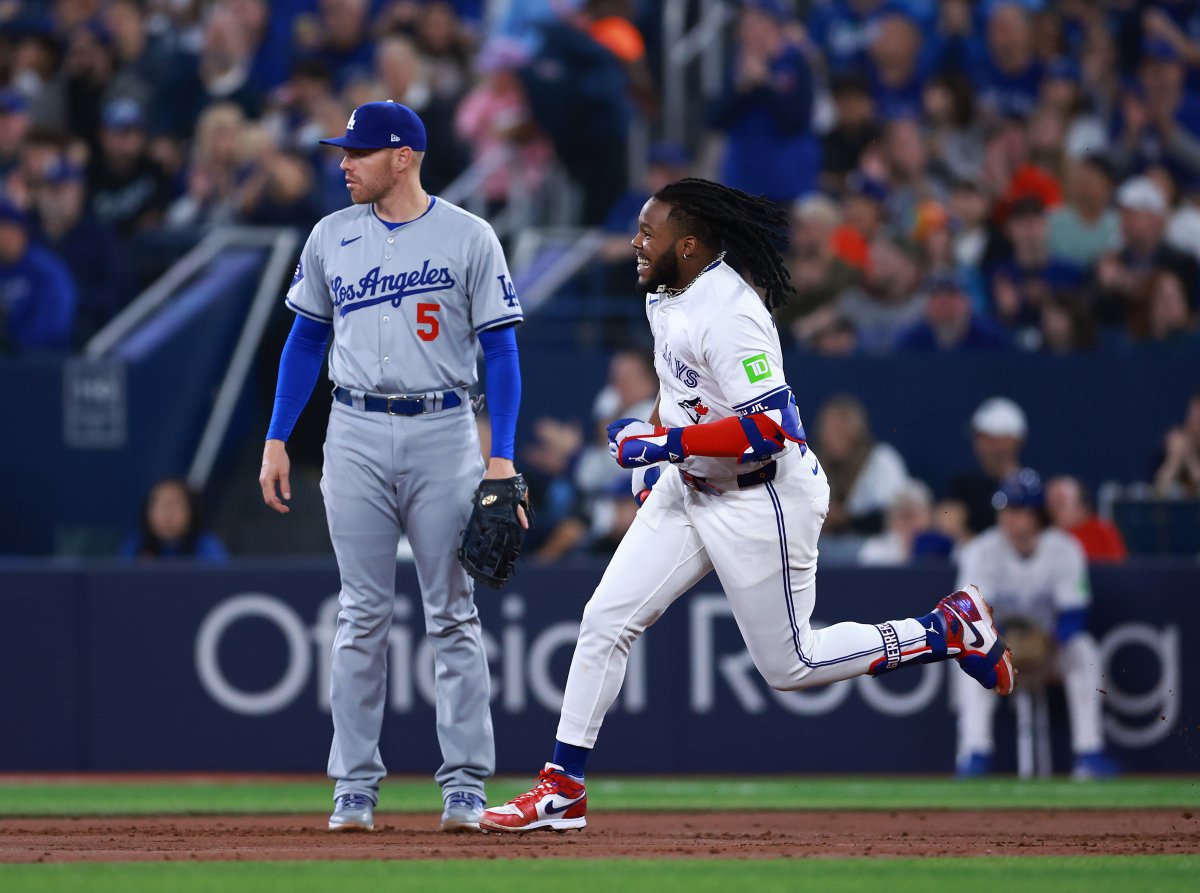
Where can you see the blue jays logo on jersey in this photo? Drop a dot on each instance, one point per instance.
(688, 376)
(694, 408)
(375, 287)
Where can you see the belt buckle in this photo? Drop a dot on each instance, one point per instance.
(392, 397)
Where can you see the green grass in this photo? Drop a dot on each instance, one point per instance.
(1044, 874)
(42, 796)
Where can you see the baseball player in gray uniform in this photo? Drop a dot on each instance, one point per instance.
(409, 286)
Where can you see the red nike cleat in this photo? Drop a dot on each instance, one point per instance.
(980, 652)
(557, 802)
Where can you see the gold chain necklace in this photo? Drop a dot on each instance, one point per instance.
(676, 292)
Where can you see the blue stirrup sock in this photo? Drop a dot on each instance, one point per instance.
(572, 758)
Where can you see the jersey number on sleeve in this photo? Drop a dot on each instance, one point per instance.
(427, 323)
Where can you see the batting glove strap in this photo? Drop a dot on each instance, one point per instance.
(660, 445)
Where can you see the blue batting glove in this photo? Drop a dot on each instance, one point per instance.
(641, 444)
(615, 428)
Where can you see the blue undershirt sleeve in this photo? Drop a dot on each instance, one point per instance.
(299, 366)
(503, 386)
(1070, 623)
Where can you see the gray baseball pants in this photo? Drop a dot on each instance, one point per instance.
(386, 475)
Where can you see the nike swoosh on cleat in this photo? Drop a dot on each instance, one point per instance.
(556, 808)
(978, 637)
(346, 242)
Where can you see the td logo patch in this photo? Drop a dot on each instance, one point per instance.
(757, 368)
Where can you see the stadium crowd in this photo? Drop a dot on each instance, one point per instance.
(1006, 174)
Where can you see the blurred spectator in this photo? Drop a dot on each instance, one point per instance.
(855, 127)
(862, 219)
(14, 127)
(1035, 577)
(1123, 277)
(908, 534)
(842, 29)
(75, 97)
(404, 76)
(950, 325)
(126, 188)
(1160, 120)
(998, 430)
(172, 526)
(495, 115)
(1023, 284)
(955, 137)
(602, 506)
(889, 299)
(836, 337)
(37, 295)
(766, 111)
(1164, 316)
(895, 65)
(818, 275)
(1009, 74)
(1064, 325)
(1062, 96)
(911, 182)
(338, 36)
(222, 153)
(864, 474)
(968, 208)
(293, 116)
(279, 192)
(221, 73)
(446, 49)
(89, 248)
(1071, 510)
(1183, 229)
(611, 23)
(1178, 472)
(140, 66)
(1087, 226)
(577, 90)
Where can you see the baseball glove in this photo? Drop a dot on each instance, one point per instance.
(1032, 650)
(493, 536)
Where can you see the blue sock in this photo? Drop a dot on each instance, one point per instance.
(935, 640)
(572, 758)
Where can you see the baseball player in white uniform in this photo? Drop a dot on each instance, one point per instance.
(1036, 575)
(409, 286)
(733, 488)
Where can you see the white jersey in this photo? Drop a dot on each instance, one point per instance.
(406, 303)
(717, 354)
(1038, 587)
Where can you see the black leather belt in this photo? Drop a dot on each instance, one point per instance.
(400, 404)
(748, 479)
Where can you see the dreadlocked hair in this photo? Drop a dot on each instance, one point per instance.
(747, 226)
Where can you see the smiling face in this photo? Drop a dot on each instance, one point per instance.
(656, 248)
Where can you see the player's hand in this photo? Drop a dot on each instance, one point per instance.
(501, 470)
(643, 481)
(639, 444)
(276, 468)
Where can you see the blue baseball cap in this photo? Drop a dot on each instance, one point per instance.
(382, 125)
(123, 114)
(859, 183)
(11, 213)
(1020, 490)
(1159, 50)
(946, 280)
(62, 171)
(12, 101)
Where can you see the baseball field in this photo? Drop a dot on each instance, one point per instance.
(234, 833)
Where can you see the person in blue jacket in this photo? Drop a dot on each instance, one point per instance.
(37, 294)
(172, 526)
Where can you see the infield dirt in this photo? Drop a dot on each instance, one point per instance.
(646, 835)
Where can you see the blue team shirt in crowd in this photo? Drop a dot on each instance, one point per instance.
(37, 302)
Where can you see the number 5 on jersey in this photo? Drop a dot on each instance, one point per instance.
(427, 322)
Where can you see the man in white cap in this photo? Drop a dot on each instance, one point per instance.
(1122, 276)
(998, 430)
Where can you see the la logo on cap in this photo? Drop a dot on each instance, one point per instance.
(350, 123)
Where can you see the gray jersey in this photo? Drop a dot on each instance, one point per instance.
(406, 303)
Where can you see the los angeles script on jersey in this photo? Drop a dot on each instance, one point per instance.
(681, 370)
(375, 288)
